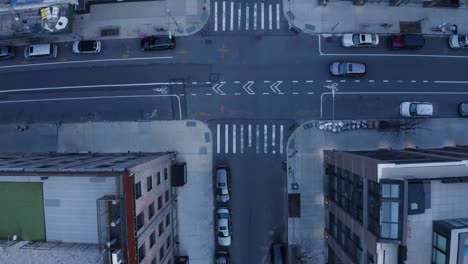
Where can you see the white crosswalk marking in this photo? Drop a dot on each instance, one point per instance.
(277, 16)
(231, 24)
(224, 15)
(242, 138)
(281, 139)
(216, 16)
(247, 16)
(226, 139)
(262, 22)
(256, 14)
(270, 17)
(231, 138)
(255, 17)
(239, 16)
(257, 139)
(218, 138)
(250, 136)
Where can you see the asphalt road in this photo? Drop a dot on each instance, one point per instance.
(254, 78)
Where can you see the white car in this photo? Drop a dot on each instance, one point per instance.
(224, 226)
(359, 40)
(347, 69)
(86, 46)
(416, 109)
(222, 184)
(458, 41)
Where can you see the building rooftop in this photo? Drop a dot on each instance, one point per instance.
(71, 163)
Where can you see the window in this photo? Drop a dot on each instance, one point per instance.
(141, 252)
(373, 205)
(390, 190)
(160, 202)
(390, 215)
(165, 173)
(152, 239)
(168, 242)
(166, 196)
(158, 178)
(151, 210)
(161, 253)
(160, 229)
(140, 220)
(137, 190)
(153, 261)
(439, 249)
(168, 219)
(149, 183)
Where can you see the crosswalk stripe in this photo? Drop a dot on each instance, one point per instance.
(273, 139)
(277, 16)
(226, 139)
(257, 141)
(250, 136)
(218, 138)
(224, 15)
(265, 139)
(216, 16)
(247, 16)
(270, 17)
(234, 139)
(239, 18)
(255, 17)
(281, 139)
(242, 138)
(231, 24)
(262, 22)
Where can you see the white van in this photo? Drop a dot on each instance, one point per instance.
(40, 51)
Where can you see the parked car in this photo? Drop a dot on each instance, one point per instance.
(360, 40)
(223, 189)
(159, 42)
(278, 254)
(40, 51)
(458, 41)
(347, 69)
(406, 41)
(224, 226)
(222, 257)
(463, 109)
(86, 46)
(7, 52)
(416, 109)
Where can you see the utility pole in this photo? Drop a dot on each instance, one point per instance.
(175, 21)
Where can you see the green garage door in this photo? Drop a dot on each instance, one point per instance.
(22, 210)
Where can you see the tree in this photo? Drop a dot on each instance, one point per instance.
(308, 251)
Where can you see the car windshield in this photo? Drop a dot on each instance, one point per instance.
(356, 39)
(223, 215)
(374, 38)
(413, 109)
(221, 234)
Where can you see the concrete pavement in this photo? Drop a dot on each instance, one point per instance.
(305, 159)
(344, 17)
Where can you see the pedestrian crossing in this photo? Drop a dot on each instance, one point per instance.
(240, 16)
(250, 138)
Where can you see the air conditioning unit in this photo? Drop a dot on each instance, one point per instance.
(117, 257)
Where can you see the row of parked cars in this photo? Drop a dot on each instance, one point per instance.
(398, 41)
(50, 50)
(223, 214)
(425, 109)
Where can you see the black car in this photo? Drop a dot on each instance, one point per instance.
(7, 52)
(160, 42)
(406, 41)
(222, 257)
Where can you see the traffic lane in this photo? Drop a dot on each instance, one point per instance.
(386, 106)
(434, 45)
(151, 72)
(258, 206)
(87, 109)
(291, 106)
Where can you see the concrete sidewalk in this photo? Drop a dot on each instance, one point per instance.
(343, 17)
(305, 158)
(138, 19)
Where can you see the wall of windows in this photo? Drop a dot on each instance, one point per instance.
(348, 241)
(390, 222)
(373, 207)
